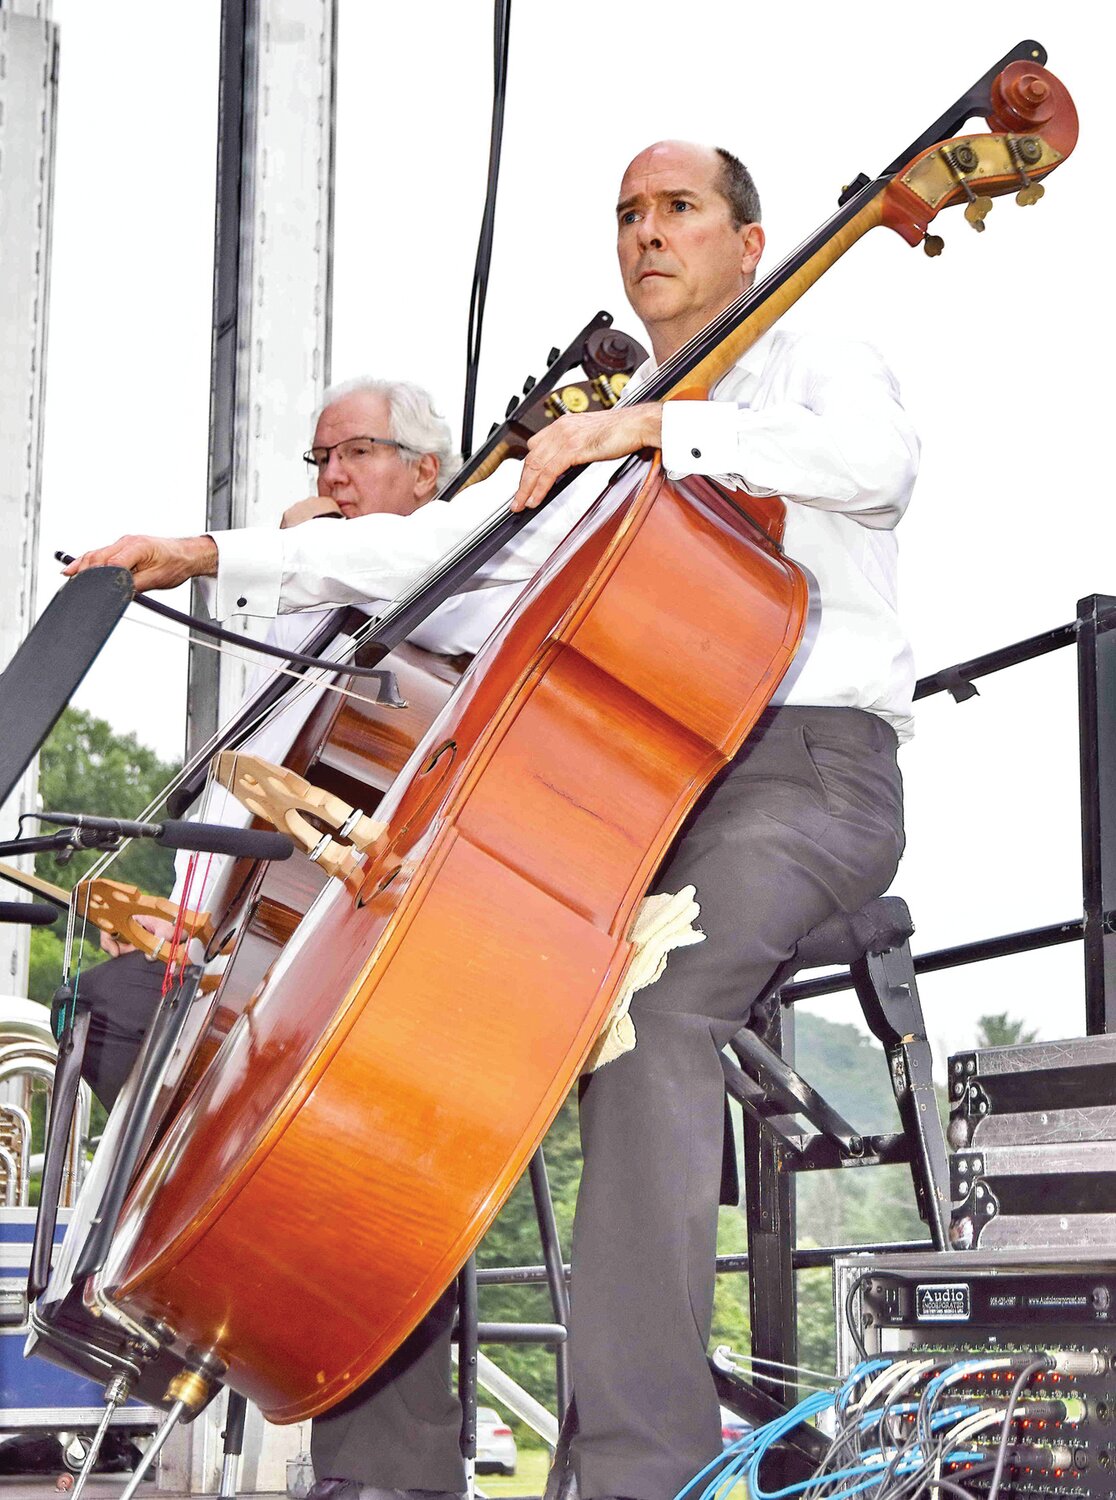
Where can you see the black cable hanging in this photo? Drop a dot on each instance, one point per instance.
(501, 28)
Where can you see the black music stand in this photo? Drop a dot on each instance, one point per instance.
(46, 671)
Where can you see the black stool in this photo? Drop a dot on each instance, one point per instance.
(873, 942)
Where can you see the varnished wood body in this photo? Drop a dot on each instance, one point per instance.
(381, 1090)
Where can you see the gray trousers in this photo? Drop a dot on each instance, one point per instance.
(806, 821)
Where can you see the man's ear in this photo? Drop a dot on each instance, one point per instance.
(426, 477)
(752, 240)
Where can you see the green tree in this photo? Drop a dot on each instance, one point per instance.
(85, 766)
(1002, 1030)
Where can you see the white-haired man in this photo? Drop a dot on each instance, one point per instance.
(379, 446)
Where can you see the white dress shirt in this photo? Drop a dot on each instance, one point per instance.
(816, 421)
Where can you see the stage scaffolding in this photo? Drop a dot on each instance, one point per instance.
(28, 101)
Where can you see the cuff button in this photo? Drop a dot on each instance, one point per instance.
(696, 452)
(241, 602)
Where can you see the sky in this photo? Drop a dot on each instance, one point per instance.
(1001, 345)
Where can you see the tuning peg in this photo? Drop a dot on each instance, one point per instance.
(511, 406)
(552, 356)
(529, 385)
(961, 160)
(933, 244)
(1026, 151)
(493, 428)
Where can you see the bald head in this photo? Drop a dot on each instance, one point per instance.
(685, 253)
(733, 180)
(671, 152)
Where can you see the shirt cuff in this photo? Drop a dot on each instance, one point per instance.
(249, 571)
(701, 437)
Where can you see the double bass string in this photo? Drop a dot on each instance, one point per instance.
(277, 671)
(305, 683)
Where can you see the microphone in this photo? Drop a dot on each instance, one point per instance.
(205, 838)
(215, 838)
(30, 913)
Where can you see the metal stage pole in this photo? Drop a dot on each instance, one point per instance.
(272, 283)
(28, 102)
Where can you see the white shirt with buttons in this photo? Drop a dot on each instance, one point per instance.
(815, 420)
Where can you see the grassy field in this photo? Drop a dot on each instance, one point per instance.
(529, 1477)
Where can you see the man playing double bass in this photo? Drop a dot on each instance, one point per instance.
(806, 821)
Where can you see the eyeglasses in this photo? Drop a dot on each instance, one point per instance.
(351, 451)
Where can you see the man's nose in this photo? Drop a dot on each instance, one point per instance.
(333, 473)
(650, 233)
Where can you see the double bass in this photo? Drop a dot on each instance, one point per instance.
(482, 935)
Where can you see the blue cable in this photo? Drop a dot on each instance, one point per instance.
(743, 1444)
(742, 1453)
(769, 1435)
(742, 1459)
(939, 1419)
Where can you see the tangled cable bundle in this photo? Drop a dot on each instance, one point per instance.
(901, 1431)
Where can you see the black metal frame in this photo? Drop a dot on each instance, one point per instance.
(1093, 632)
(469, 1333)
(1096, 686)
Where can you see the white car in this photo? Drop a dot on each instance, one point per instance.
(495, 1443)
